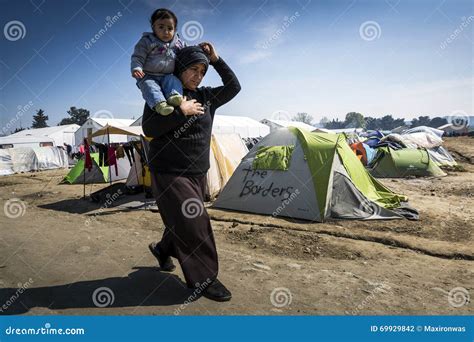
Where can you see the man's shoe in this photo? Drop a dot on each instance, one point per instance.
(166, 264)
(217, 291)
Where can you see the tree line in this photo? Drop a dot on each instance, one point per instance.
(76, 116)
(352, 120)
(357, 120)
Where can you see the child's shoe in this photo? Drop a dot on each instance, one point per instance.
(175, 100)
(163, 108)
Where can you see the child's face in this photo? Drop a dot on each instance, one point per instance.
(164, 29)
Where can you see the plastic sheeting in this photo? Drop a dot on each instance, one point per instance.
(415, 140)
(425, 129)
(6, 164)
(441, 156)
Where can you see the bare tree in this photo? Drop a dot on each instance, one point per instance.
(303, 117)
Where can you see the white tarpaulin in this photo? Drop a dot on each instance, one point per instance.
(425, 129)
(415, 140)
(25, 159)
(6, 165)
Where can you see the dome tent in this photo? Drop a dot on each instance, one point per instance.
(98, 174)
(390, 163)
(313, 176)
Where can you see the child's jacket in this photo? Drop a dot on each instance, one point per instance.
(155, 57)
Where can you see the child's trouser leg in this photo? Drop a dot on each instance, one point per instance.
(151, 90)
(171, 85)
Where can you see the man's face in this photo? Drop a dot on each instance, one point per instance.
(164, 29)
(192, 76)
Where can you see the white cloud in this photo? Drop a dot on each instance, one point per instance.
(274, 30)
(253, 56)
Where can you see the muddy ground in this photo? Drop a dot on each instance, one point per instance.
(61, 249)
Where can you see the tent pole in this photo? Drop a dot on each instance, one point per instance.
(135, 166)
(108, 139)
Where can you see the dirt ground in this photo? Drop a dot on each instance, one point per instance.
(61, 249)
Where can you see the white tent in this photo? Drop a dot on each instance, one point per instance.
(134, 131)
(242, 125)
(136, 176)
(60, 134)
(6, 164)
(277, 124)
(339, 130)
(25, 159)
(94, 124)
(227, 151)
(27, 141)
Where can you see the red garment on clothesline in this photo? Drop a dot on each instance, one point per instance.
(88, 159)
(112, 159)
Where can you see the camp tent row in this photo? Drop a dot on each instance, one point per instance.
(314, 176)
(294, 173)
(226, 152)
(412, 152)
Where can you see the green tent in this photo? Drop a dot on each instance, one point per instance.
(390, 163)
(96, 175)
(314, 176)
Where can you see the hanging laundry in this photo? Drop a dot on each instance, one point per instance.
(112, 160)
(103, 158)
(119, 152)
(88, 159)
(128, 148)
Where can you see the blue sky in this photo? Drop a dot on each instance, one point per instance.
(401, 57)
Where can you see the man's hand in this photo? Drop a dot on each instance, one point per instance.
(138, 74)
(191, 107)
(209, 50)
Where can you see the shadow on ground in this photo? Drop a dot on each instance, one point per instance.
(83, 206)
(145, 286)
